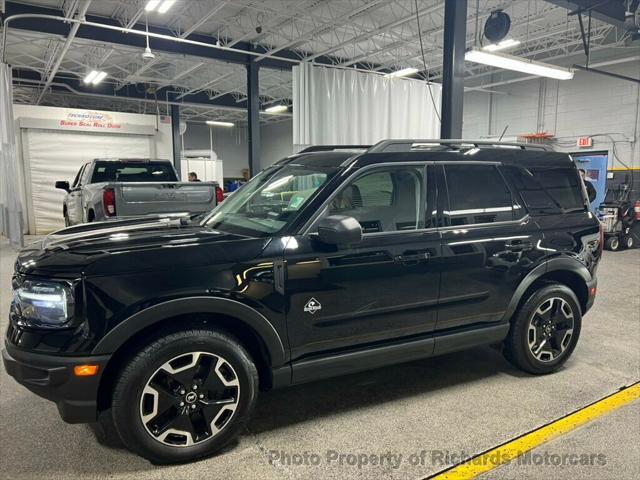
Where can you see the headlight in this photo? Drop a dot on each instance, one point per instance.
(47, 304)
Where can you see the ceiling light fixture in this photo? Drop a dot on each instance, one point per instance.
(151, 5)
(94, 77)
(101, 76)
(90, 76)
(166, 5)
(402, 73)
(162, 6)
(504, 44)
(510, 62)
(217, 123)
(276, 109)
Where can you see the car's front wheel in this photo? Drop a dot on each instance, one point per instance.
(545, 330)
(184, 396)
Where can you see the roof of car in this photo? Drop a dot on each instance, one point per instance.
(505, 153)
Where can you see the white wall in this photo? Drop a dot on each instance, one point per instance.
(277, 141)
(588, 105)
(231, 144)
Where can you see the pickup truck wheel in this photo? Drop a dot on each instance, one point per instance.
(184, 396)
(545, 330)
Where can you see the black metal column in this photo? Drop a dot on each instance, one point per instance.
(175, 137)
(455, 33)
(253, 115)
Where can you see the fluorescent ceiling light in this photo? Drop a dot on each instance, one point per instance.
(99, 78)
(164, 6)
(508, 43)
(402, 73)
(276, 109)
(151, 5)
(94, 77)
(216, 123)
(510, 62)
(90, 76)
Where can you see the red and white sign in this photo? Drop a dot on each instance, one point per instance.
(89, 119)
(584, 142)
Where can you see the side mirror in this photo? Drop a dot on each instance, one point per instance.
(339, 230)
(63, 185)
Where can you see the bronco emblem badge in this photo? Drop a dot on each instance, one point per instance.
(312, 306)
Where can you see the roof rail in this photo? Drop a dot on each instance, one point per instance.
(408, 145)
(329, 148)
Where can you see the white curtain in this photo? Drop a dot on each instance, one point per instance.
(10, 204)
(338, 106)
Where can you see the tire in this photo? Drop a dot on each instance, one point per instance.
(628, 241)
(163, 402)
(552, 310)
(612, 243)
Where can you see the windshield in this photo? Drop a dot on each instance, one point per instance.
(269, 201)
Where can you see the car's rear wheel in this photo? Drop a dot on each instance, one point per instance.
(545, 330)
(185, 396)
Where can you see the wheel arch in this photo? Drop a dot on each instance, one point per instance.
(244, 323)
(567, 271)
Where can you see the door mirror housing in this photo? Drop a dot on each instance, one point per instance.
(63, 185)
(339, 230)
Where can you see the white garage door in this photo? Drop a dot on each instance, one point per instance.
(54, 155)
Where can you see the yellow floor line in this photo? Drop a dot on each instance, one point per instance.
(511, 450)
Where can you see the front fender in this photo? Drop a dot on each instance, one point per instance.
(214, 305)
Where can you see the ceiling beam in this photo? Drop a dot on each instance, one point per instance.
(211, 48)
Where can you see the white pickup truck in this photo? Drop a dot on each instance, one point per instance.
(110, 189)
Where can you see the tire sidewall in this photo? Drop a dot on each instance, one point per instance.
(126, 402)
(522, 325)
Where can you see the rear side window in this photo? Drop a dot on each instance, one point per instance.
(477, 194)
(133, 172)
(548, 189)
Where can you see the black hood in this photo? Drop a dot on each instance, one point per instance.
(132, 245)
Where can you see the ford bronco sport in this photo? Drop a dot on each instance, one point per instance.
(331, 261)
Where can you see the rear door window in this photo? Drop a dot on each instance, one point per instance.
(477, 194)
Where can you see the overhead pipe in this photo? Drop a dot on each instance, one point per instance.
(19, 80)
(72, 34)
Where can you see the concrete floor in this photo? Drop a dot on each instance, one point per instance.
(462, 403)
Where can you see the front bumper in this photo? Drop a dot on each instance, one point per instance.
(52, 377)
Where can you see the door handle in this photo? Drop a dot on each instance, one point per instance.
(518, 245)
(413, 257)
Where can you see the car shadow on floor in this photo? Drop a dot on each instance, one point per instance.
(302, 403)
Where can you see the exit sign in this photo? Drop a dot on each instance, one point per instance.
(585, 142)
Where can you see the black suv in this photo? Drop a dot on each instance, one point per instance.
(332, 261)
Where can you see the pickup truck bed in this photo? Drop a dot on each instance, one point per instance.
(97, 194)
